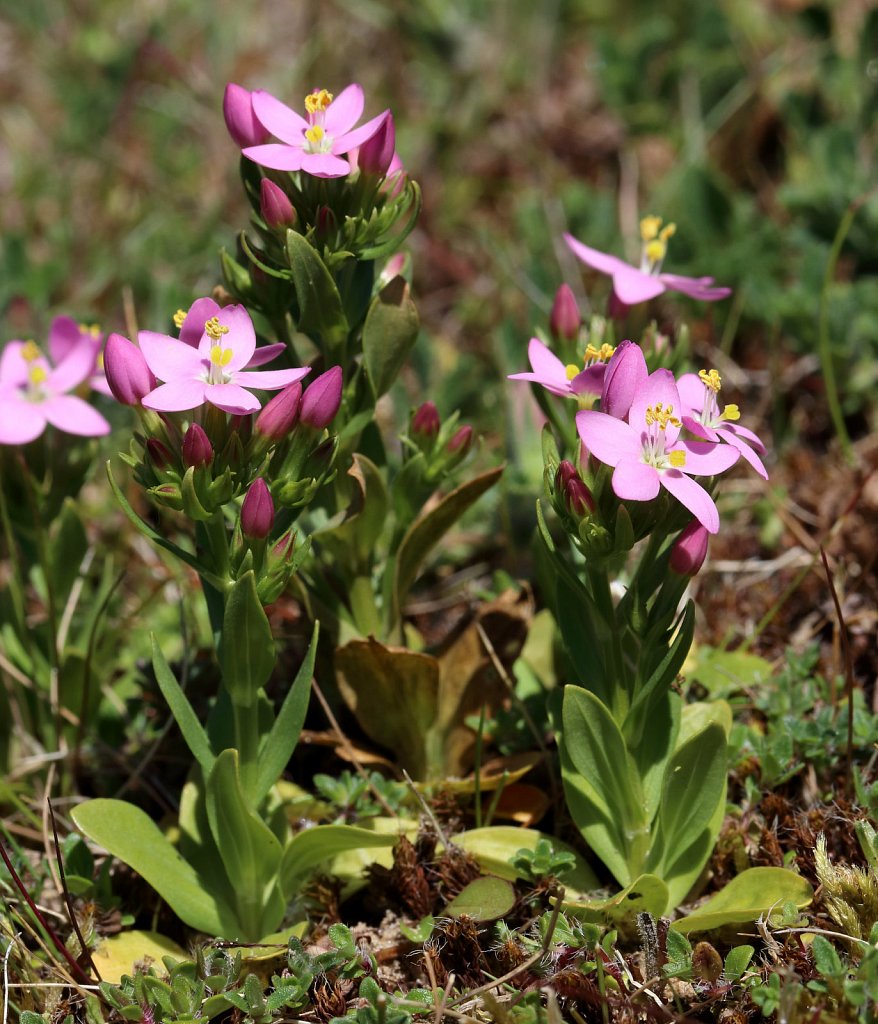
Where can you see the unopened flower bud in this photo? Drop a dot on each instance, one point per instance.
(376, 153)
(197, 449)
(322, 399)
(279, 416)
(125, 368)
(626, 371)
(565, 321)
(394, 178)
(257, 511)
(159, 454)
(277, 210)
(565, 472)
(689, 550)
(244, 127)
(578, 497)
(425, 422)
(461, 441)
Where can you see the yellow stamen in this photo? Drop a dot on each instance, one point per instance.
(93, 329)
(572, 370)
(37, 374)
(30, 351)
(601, 354)
(731, 412)
(220, 356)
(677, 459)
(100, 361)
(656, 250)
(215, 329)
(661, 416)
(318, 100)
(314, 134)
(607, 352)
(649, 227)
(667, 232)
(179, 317)
(710, 379)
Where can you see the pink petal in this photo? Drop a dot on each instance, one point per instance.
(345, 143)
(240, 338)
(594, 258)
(659, 387)
(747, 453)
(264, 354)
(633, 286)
(170, 359)
(745, 434)
(703, 459)
(695, 287)
(590, 381)
(74, 416)
(325, 165)
(608, 439)
(556, 388)
(545, 363)
(691, 391)
(699, 429)
(635, 481)
(692, 496)
(13, 366)
(64, 335)
(20, 421)
(344, 111)
(99, 383)
(75, 367)
(269, 380)
(199, 313)
(277, 156)
(176, 396)
(231, 398)
(278, 118)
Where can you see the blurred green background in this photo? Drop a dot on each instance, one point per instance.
(752, 124)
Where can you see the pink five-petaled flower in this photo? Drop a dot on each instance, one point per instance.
(66, 334)
(566, 381)
(191, 326)
(33, 393)
(317, 143)
(214, 371)
(699, 395)
(632, 285)
(647, 453)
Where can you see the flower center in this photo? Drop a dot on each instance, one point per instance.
(37, 371)
(657, 418)
(92, 329)
(655, 243)
(219, 358)
(710, 413)
(592, 355)
(316, 139)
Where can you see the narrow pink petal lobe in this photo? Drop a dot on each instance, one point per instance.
(264, 354)
(703, 459)
(633, 286)
(695, 287)
(345, 143)
(77, 365)
(20, 421)
(324, 165)
(278, 118)
(199, 313)
(608, 439)
(693, 497)
(176, 396)
(74, 416)
(269, 380)
(635, 481)
(13, 367)
(344, 111)
(231, 398)
(168, 358)
(276, 156)
(594, 258)
(659, 388)
(64, 335)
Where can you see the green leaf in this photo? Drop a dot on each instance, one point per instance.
(737, 961)
(313, 847)
(129, 834)
(423, 535)
(246, 652)
(585, 637)
(495, 845)
(183, 712)
(484, 899)
(321, 314)
(826, 959)
(646, 894)
(279, 744)
(723, 672)
(67, 547)
(751, 894)
(694, 785)
(352, 542)
(390, 331)
(249, 849)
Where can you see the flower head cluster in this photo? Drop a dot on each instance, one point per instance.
(35, 388)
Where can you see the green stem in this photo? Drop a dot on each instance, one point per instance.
(246, 726)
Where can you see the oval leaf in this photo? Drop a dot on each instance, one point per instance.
(751, 894)
(246, 651)
(484, 899)
(390, 331)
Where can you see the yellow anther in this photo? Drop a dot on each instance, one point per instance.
(215, 329)
(677, 459)
(315, 134)
(649, 227)
(30, 351)
(179, 317)
(220, 356)
(93, 329)
(37, 374)
(571, 370)
(661, 416)
(667, 232)
(600, 355)
(100, 361)
(606, 352)
(731, 412)
(656, 250)
(710, 379)
(318, 100)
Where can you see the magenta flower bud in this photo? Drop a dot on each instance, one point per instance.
(159, 454)
(578, 497)
(322, 399)
(280, 415)
(565, 472)
(394, 178)
(565, 321)
(625, 374)
(425, 422)
(277, 210)
(129, 377)
(257, 511)
(243, 125)
(689, 550)
(197, 449)
(376, 153)
(461, 441)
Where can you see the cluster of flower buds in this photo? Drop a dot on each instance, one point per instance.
(443, 445)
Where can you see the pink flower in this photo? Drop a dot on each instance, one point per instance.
(632, 285)
(66, 334)
(240, 119)
(566, 381)
(214, 371)
(191, 325)
(317, 143)
(705, 419)
(647, 453)
(34, 394)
